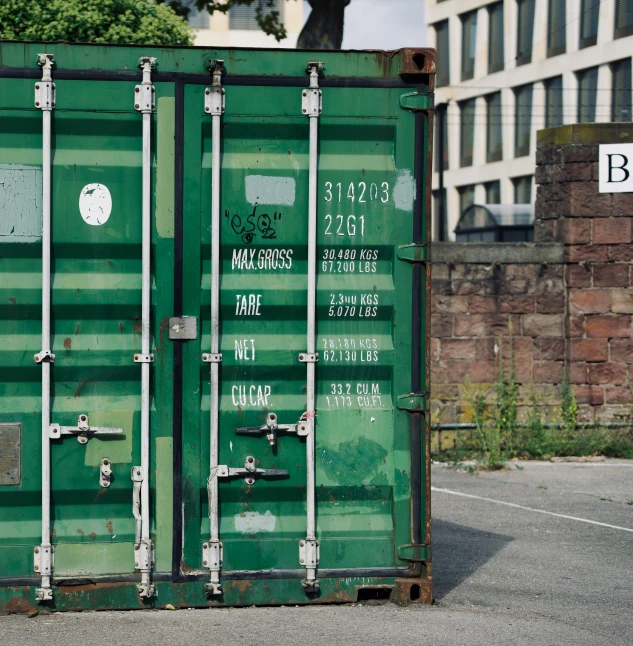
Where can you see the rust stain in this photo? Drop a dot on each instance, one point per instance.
(110, 263)
(92, 535)
(109, 526)
(68, 343)
(242, 586)
(184, 568)
(80, 531)
(80, 388)
(164, 324)
(121, 328)
(18, 606)
(90, 587)
(137, 327)
(12, 299)
(77, 329)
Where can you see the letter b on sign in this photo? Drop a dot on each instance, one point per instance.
(616, 168)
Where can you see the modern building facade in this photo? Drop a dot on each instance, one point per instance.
(239, 28)
(507, 68)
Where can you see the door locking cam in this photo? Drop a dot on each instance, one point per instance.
(272, 427)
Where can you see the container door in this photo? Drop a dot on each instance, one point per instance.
(364, 336)
(95, 325)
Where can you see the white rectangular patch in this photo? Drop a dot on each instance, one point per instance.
(266, 189)
(20, 203)
(252, 522)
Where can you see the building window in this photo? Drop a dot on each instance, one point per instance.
(523, 120)
(467, 138)
(554, 102)
(469, 43)
(466, 197)
(494, 146)
(587, 91)
(522, 189)
(245, 16)
(442, 47)
(621, 93)
(493, 192)
(525, 31)
(623, 18)
(441, 147)
(556, 28)
(196, 18)
(495, 37)
(589, 16)
(440, 227)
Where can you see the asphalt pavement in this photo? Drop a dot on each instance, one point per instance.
(536, 555)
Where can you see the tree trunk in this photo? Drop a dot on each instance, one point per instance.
(324, 27)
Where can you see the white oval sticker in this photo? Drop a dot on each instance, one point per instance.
(95, 204)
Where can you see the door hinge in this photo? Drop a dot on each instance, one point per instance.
(413, 252)
(417, 102)
(412, 403)
(414, 553)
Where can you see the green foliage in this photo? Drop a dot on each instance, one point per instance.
(142, 22)
(498, 435)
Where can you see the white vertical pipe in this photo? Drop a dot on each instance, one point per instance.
(46, 333)
(146, 99)
(215, 331)
(311, 331)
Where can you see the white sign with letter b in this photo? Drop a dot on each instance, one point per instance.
(616, 168)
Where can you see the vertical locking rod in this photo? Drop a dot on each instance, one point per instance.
(214, 105)
(45, 101)
(144, 103)
(311, 106)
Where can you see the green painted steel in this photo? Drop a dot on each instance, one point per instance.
(372, 440)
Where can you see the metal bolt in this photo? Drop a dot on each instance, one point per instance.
(136, 547)
(208, 92)
(302, 561)
(37, 550)
(301, 543)
(153, 89)
(83, 418)
(304, 110)
(37, 567)
(37, 87)
(136, 105)
(250, 459)
(136, 89)
(305, 93)
(105, 462)
(204, 562)
(138, 473)
(204, 547)
(37, 103)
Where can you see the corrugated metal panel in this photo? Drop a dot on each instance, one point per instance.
(372, 203)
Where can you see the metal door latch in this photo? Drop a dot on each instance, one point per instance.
(309, 554)
(271, 428)
(144, 555)
(105, 473)
(250, 472)
(83, 430)
(44, 564)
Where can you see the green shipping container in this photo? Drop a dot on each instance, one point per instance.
(213, 326)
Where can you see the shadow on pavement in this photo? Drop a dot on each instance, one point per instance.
(459, 551)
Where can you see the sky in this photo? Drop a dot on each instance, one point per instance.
(383, 24)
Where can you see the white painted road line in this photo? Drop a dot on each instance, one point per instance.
(537, 511)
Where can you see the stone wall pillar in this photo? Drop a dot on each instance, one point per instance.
(596, 231)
